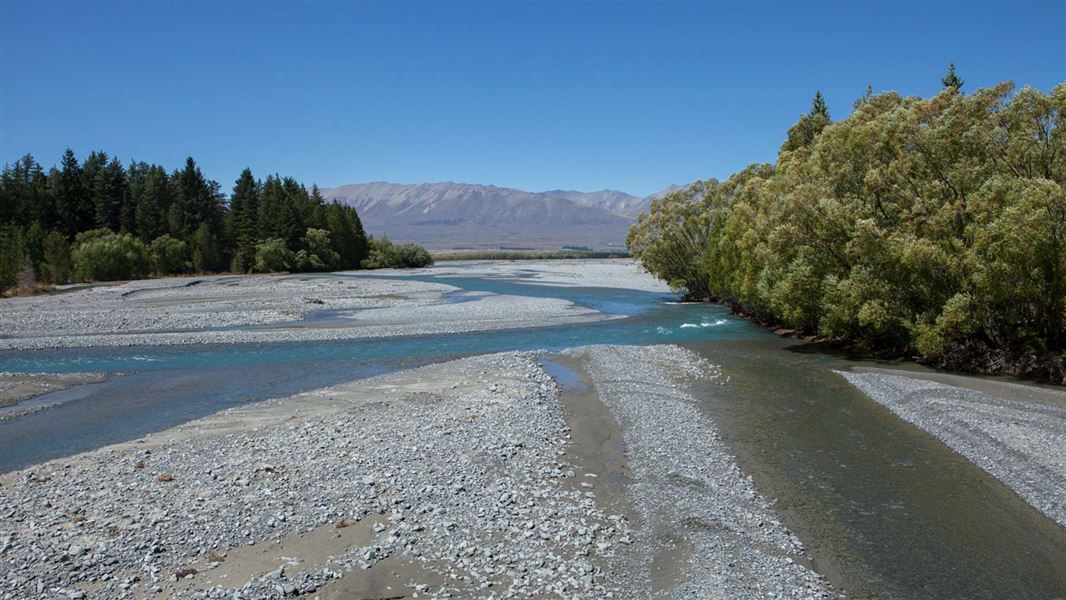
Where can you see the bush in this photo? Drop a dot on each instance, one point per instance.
(318, 254)
(385, 255)
(101, 255)
(168, 255)
(273, 255)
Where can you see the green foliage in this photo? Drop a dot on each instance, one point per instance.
(273, 255)
(386, 255)
(11, 253)
(318, 253)
(951, 81)
(169, 256)
(102, 255)
(244, 212)
(915, 226)
(57, 266)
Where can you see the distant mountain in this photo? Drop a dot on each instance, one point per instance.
(610, 200)
(461, 215)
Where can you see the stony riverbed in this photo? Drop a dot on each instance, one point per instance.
(1020, 442)
(264, 308)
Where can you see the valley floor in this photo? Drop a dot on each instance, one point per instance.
(587, 474)
(462, 479)
(277, 308)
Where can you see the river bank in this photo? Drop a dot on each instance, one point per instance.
(742, 471)
(1015, 433)
(265, 309)
(452, 480)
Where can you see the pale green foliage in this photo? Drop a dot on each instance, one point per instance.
(386, 255)
(273, 255)
(168, 255)
(318, 254)
(914, 225)
(102, 255)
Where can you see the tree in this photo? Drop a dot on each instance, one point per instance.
(11, 253)
(195, 203)
(386, 255)
(931, 227)
(244, 213)
(950, 80)
(206, 253)
(318, 253)
(73, 204)
(109, 192)
(273, 255)
(102, 255)
(819, 107)
(168, 255)
(277, 215)
(152, 204)
(803, 133)
(57, 265)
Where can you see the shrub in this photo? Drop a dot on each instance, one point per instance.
(273, 255)
(101, 255)
(168, 255)
(386, 255)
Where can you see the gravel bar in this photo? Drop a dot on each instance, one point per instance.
(692, 497)
(458, 469)
(1021, 443)
(264, 308)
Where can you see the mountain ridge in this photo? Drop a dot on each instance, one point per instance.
(451, 214)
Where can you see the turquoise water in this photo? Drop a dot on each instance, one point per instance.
(888, 511)
(160, 387)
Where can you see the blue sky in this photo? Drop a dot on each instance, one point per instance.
(630, 96)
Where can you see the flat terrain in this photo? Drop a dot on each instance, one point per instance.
(1017, 433)
(455, 480)
(593, 473)
(265, 308)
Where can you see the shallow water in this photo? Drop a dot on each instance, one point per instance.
(888, 511)
(169, 385)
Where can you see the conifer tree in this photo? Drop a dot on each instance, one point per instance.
(951, 80)
(818, 106)
(153, 204)
(277, 216)
(73, 205)
(244, 213)
(109, 194)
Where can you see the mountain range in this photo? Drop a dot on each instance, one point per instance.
(449, 215)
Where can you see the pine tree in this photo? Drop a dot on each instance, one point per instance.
(819, 107)
(152, 205)
(196, 202)
(951, 80)
(244, 212)
(109, 191)
(277, 216)
(73, 205)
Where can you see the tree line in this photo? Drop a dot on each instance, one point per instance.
(98, 219)
(931, 227)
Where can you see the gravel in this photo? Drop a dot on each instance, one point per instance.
(461, 467)
(264, 308)
(1021, 443)
(688, 486)
(609, 273)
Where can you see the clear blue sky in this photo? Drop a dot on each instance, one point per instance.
(630, 96)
